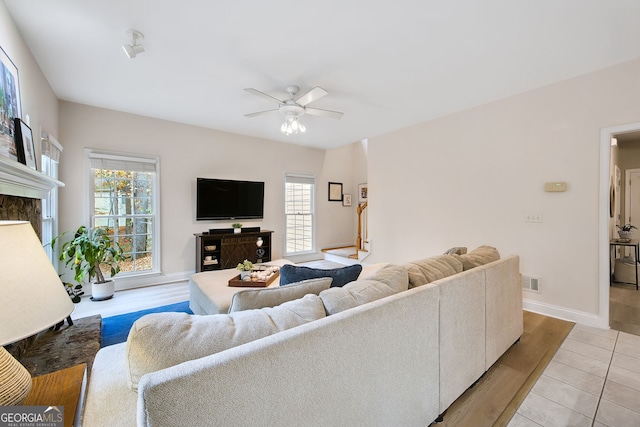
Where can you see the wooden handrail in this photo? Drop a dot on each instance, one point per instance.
(360, 210)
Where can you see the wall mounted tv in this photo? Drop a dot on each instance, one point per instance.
(229, 199)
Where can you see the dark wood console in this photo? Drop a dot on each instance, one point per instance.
(221, 250)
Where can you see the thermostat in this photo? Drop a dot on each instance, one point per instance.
(553, 187)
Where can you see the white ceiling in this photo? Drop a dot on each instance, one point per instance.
(385, 64)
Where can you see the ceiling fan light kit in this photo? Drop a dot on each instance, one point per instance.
(293, 108)
(134, 48)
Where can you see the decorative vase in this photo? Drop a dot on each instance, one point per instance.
(625, 234)
(103, 291)
(237, 230)
(244, 274)
(259, 242)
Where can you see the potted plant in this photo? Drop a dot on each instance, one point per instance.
(90, 249)
(74, 292)
(237, 227)
(246, 268)
(626, 231)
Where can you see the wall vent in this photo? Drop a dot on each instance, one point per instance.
(530, 283)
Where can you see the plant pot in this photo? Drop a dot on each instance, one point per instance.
(237, 230)
(244, 274)
(102, 291)
(625, 234)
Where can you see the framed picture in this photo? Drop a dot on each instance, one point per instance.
(9, 106)
(363, 193)
(346, 201)
(24, 142)
(335, 191)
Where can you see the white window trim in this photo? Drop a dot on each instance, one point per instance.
(90, 153)
(313, 249)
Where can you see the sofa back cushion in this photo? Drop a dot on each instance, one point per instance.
(429, 270)
(250, 299)
(479, 256)
(386, 281)
(341, 276)
(158, 341)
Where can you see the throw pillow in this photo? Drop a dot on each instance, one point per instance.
(457, 250)
(250, 299)
(161, 340)
(479, 256)
(387, 281)
(431, 269)
(341, 276)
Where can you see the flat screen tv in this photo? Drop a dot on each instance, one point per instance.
(229, 199)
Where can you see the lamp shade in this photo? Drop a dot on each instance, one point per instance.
(32, 297)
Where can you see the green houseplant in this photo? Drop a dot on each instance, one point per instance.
(90, 249)
(237, 227)
(626, 231)
(246, 268)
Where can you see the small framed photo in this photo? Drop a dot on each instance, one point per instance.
(335, 191)
(363, 192)
(346, 201)
(25, 145)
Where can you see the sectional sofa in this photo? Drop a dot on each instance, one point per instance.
(394, 348)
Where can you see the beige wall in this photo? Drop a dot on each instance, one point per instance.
(37, 99)
(469, 179)
(187, 152)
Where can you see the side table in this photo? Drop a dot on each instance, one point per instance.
(65, 388)
(632, 243)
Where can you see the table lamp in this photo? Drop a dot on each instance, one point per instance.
(32, 299)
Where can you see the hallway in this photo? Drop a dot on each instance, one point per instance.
(624, 308)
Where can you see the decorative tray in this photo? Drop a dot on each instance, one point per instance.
(254, 282)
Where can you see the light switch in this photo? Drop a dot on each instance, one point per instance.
(555, 187)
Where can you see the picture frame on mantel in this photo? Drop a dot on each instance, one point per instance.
(9, 106)
(25, 144)
(335, 191)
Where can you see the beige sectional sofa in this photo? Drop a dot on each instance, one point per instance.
(395, 347)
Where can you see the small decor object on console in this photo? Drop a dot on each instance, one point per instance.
(237, 227)
(625, 232)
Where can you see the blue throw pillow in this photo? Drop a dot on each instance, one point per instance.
(341, 276)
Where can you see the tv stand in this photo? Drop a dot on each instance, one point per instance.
(220, 249)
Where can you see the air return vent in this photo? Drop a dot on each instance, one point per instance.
(531, 283)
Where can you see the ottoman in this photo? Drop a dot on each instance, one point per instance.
(210, 293)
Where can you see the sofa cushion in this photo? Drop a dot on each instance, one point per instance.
(158, 341)
(479, 256)
(340, 276)
(249, 299)
(429, 270)
(387, 281)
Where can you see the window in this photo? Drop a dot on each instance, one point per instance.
(299, 213)
(51, 150)
(123, 199)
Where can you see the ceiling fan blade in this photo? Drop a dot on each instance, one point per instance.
(315, 93)
(324, 113)
(264, 95)
(259, 113)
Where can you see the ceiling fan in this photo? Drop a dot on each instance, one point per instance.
(293, 108)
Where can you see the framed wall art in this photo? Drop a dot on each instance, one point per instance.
(346, 201)
(335, 191)
(9, 106)
(24, 142)
(363, 193)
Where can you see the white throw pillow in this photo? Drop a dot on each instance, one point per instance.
(250, 299)
(386, 281)
(161, 340)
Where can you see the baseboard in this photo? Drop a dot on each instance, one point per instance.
(564, 313)
(142, 281)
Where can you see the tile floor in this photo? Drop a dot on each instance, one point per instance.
(593, 380)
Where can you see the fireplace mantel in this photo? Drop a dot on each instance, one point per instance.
(20, 180)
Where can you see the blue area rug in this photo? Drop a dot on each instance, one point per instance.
(115, 329)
